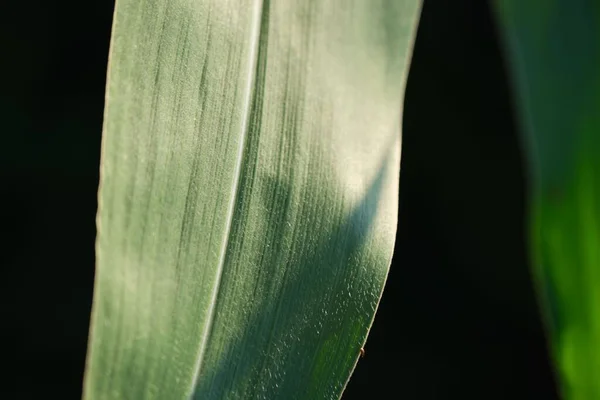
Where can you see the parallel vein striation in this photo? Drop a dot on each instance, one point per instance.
(248, 197)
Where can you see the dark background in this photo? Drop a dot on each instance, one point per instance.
(458, 319)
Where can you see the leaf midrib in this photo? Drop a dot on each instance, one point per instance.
(254, 44)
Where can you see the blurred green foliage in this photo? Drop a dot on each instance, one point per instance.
(553, 49)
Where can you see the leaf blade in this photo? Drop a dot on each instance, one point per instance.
(314, 211)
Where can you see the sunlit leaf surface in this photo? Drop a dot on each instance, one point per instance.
(248, 198)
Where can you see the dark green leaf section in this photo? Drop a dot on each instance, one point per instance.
(554, 53)
(248, 198)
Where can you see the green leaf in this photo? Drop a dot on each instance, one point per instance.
(248, 195)
(554, 53)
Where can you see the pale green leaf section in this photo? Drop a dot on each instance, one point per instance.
(248, 196)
